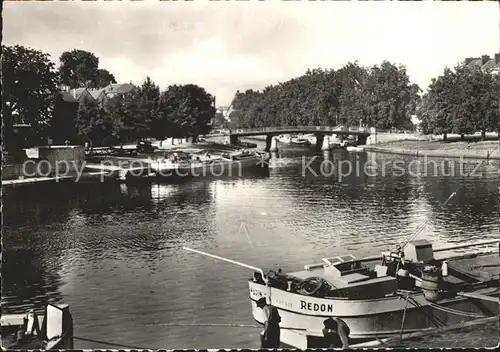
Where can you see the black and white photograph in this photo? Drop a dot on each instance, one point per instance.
(250, 175)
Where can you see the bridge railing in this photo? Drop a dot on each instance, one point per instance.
(298, 129)
(394, 130)
(311, 129)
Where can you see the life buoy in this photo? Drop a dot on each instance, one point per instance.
(311, 286)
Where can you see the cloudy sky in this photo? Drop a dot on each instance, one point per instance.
(225, 46)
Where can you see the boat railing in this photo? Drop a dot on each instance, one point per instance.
(394, 255)
(332, 261)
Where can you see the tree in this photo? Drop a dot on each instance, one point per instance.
(391, 99)
(79, 68)
(93, 124)
(463, 101)
(148, 103)
(481, 92)
(352, 98)
(439, 105)
(29, 86)
(135, 114)
(184, 110)
(245, 108)
(122, 112)
(63, 125)
(104, 78)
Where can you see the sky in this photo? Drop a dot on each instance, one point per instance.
(228, 46)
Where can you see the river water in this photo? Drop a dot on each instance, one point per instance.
(114, 252)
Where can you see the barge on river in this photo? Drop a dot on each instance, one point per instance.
(187, 165)
(408, 291)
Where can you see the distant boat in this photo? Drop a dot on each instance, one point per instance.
(284, 138)
(293, 140)
(311, 138)
(354, 149)
(300, 141)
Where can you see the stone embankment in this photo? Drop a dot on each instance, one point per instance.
(440, 149)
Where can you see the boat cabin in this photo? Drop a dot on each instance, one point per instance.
(342, 277)
(238, 156)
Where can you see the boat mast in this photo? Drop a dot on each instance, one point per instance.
(254, 268)
(421, 228)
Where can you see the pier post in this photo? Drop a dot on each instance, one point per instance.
(319, 141)
(233, 140)
(274, 144)
(268, 143)
(271, 143)
(274, 155)
(326, 143)
(362, 139)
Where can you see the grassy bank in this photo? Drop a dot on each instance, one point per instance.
(454, 149)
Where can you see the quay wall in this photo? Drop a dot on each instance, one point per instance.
(49, 161)
(469, 154)
(14, 171)
(62, 157)
(377, 138)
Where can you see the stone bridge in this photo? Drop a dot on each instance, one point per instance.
(320, 132)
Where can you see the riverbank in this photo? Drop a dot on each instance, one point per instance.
(96, 173)
(448, 149)
(482, 333)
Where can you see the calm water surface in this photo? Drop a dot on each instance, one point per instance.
(114, 253)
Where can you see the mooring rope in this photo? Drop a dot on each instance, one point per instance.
(438, 322)
(220, 325)
(404, 316)
(458, 312)
(207, 324)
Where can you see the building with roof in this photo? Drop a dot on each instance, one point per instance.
(76, 95)
(485, 62)
(111, 90)
(68, 101)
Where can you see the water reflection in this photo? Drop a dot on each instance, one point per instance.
(119, 247)
(28, 279)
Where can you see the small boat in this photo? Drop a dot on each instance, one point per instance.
(247, 145)
(354, 149)
(29, 331)
(408, 291)
(311, 138)
(284, 138)
(294, 140)
(300, 141)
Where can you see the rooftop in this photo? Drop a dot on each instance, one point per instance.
(73, 95)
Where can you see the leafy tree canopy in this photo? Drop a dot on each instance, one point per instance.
(463, 100)
(29, 85)
(80, 68)
(104, 78)
(380, 96)
(184, 110)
